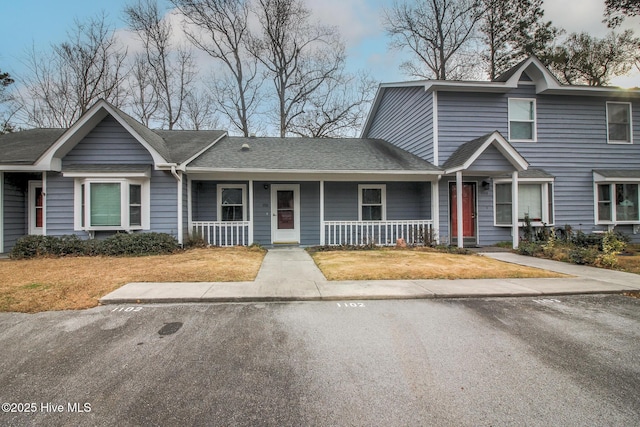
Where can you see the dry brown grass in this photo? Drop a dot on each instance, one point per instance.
(75, 283)
(415, 264)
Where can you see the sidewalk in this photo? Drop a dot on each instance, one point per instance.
(289, 274)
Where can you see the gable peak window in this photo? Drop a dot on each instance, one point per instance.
(619, 128)
(522, 119)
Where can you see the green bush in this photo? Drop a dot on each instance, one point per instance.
(116, 245)
(584, 256)
(138, 244)
(529, 248)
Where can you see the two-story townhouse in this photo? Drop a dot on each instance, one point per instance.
(574, 151)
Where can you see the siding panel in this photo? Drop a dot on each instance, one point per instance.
(404, 118)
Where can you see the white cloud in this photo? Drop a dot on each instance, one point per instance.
(355, 19)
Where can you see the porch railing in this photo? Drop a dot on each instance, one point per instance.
(379, 233)
(223, 233)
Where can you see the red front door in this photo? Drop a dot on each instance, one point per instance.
(468, 209)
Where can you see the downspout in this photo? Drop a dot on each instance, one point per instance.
(178, 176)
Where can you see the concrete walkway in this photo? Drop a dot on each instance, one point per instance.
(289, 274)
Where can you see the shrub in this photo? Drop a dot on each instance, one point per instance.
(529, 248)
(118, 244)
(612, 245)
(583, 256)
(138, 244)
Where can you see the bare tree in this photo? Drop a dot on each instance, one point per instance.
(144, 97)
(173, 68)
(299, 57)
(436, 32)
(5, 117)
(337, 108)
(220, 28)
(62, 85)
(199, 112)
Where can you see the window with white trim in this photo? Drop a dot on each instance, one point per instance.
(619, 129)
(372, 200)
(535, 200)
(112, 204)
(232, 202)
(522, 119)
(617, 203)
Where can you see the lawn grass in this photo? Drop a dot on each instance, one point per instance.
(78, 282)
(415, 264)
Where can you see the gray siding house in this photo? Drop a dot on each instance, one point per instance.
(573, 151)
(108, 173)
(461, 161)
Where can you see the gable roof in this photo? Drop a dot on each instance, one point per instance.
(309, 155)
(184, 145)
(25, 147)
(469, 152)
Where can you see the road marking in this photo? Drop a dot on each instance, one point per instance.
(547, 301)
(126, 309)
(350, 304)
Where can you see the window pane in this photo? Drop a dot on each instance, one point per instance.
(285, 199)
(604, 202)
(619, 116)
(232, 213)
(530, 201)
(135, 215)
(521, 110)
(521, 130)
(135, 194)
(372, 213)
(232, 196)
(626, 202)
(371, 196)
(503, 193)
(105, 204)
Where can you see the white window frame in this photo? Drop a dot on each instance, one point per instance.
(547, 197)
(613, 212)
(85, 183)
(383, 199)
(615, 141)
(534, 121)
(222, 187)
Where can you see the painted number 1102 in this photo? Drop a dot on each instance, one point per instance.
(350, 304)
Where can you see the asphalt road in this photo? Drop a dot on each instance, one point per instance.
(570, 361)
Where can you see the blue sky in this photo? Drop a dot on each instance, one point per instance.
(39, 23)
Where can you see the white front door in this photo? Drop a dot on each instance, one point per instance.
(36, 207)
(285, 213)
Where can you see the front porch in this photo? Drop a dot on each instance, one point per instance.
(334, 213)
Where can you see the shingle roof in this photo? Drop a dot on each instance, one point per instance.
(618, 173)
(25, 147)
(465, 152)
(184, 144)
(309, 154)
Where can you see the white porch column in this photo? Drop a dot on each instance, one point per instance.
(514, 210)
(435, 208)
(189, 207)
(322, 231)
(180, 207)
(44, 203)
(250, 212)
(459, 216)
